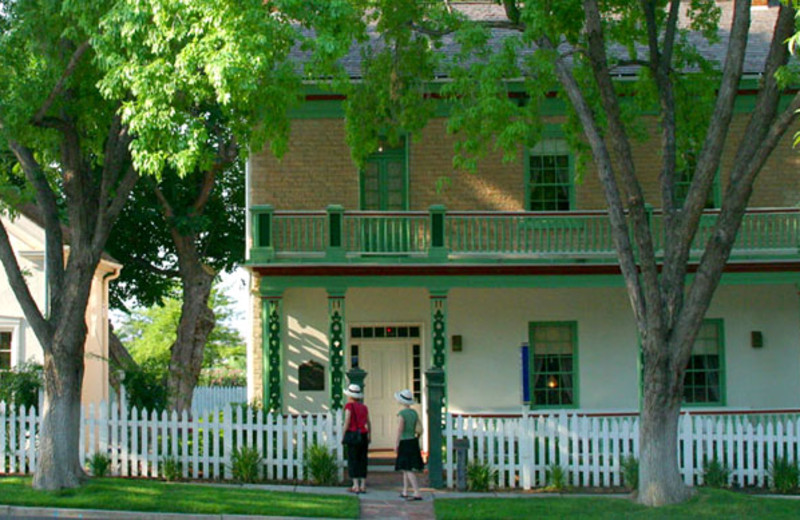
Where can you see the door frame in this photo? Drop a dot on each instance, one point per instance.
(424, 363)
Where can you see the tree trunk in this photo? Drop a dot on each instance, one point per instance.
(196, 323)
(660, 481)
(58, 465)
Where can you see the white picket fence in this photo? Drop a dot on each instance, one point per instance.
(141, 444)
(591, 449)
(208, 398)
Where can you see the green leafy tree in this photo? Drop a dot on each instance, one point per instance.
(202, 83)
(167, 236)
(72, 172)
(95, 92)
(149, 334)
(574, 48)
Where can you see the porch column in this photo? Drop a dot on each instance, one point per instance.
(336, 346)
(272, 367)
(434, 377)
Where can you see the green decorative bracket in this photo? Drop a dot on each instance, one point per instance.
(439, 338)
(262, 249)
(336, 347)
(335, 250)
(272, 315)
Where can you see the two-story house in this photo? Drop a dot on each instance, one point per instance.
(506, 278)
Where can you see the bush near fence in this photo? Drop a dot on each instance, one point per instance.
(593, 449)
(140, 443)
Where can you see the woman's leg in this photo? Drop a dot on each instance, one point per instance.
(405, 484)
(413, 479)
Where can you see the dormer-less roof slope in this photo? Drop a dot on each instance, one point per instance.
(761, 28)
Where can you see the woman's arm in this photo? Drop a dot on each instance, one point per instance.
(400, 426)
(346, 422)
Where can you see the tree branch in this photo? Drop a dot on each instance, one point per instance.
(596, 52)
(764, 132)
(48, 207)
(59, 86)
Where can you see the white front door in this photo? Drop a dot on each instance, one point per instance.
(388, 367)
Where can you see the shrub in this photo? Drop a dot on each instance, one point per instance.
(716, 474)
(171, 468)
(320, 465)
(784, 475)
(481, 476)
(146, 387)
(630, 471)
(99, 464)
(556, 477)
(21, 385)
(246, 464)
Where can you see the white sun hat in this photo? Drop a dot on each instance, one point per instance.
(354, 391)
(404, 397)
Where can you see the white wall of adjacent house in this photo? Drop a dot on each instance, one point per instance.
(27, 240)
(486, 376)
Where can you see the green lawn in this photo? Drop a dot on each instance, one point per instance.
(708, 504)
(147, 495)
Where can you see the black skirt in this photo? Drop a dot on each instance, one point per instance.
(409, 457)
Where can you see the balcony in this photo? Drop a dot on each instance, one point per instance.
(463, 237)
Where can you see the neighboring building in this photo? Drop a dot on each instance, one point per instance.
(506, 278)
(18, 343)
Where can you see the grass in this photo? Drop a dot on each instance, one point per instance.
(707, 504)
(147, 495)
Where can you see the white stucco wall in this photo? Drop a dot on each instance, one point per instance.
(486, 375)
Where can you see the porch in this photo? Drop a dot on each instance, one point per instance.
(336, 235)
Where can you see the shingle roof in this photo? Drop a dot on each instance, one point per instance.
(762, 24)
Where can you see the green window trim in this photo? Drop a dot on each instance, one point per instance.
(552, 161)
(556, 383)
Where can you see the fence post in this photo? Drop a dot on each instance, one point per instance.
(435, 382)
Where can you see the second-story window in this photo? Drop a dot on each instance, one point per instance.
(549, 176)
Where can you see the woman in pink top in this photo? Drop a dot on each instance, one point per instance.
(356, 418)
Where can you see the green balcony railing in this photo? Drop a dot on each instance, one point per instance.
(336, 235)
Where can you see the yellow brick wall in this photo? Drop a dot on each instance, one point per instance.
(317, 171)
